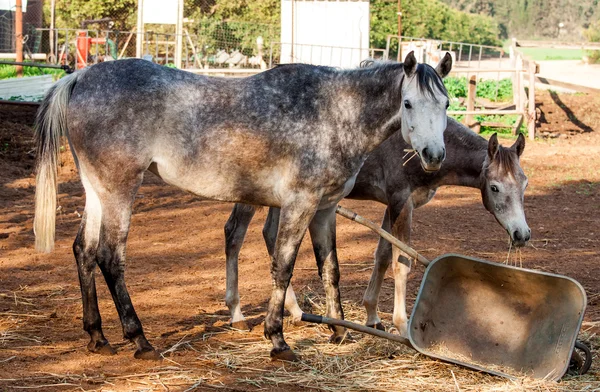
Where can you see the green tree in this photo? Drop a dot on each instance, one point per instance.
(70, 13)
(430, 19)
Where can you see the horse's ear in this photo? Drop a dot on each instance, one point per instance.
(519, 145)
(493, 146)
(410, 64)
(445, 66)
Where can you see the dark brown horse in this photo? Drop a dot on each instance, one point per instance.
(471, 161)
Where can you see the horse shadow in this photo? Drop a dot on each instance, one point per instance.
(570, 115)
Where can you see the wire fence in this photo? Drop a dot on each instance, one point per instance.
(32, 19)
(208, 44)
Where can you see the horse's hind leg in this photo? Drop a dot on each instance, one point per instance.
(270, 236)
(116, 215)
(235, 232)
(322, 234)
(84, 249)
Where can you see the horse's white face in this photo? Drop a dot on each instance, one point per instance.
(424, 106)
(503, 189)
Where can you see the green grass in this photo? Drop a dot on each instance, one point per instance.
(10, 71)
(541, 54)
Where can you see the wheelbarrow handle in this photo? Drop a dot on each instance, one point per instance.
(346, 213)
(313, 318)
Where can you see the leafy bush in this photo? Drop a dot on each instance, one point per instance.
(594, 56)
(457, 88)
(10, 71)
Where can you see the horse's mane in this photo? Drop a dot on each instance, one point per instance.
(427, 78)
(461, 134)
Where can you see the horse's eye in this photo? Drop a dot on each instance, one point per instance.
(494, 188)
(407, 105)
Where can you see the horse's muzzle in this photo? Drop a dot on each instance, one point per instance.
(432, 158)
(520, 237)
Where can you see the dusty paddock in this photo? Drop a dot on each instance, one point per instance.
(176, 276)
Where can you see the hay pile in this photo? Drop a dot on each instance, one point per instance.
(228, 359)
(367, 364)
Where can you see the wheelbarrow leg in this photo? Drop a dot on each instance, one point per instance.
(580, 365)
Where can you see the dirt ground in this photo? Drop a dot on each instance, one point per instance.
(176, 270)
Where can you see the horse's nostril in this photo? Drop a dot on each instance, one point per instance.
(527, 236)
(425, 153)
(443, 153)
(517, 236)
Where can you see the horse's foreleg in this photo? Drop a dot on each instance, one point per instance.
(235, 232)
(116, 215)
(383, 258)
(401, 224)
(295, 216)
(322, 234)
(270, 236)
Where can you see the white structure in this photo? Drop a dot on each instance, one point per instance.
(325, 32)
(160, 12)
(10, 5)
(30, 88)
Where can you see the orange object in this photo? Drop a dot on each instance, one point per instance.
(83, 47)
(84, 43)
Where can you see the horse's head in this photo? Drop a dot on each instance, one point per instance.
(424, 105)
(503, 187)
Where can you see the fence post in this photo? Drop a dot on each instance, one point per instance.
(472, 92)
(19, 36)
(179, 35)
(531, 114)
(139, 37)
(51, 32)
(517, 82)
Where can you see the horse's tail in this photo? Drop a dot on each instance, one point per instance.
(51, 125)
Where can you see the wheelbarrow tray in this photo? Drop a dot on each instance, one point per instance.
(497, 318)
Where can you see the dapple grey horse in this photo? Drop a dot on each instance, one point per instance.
(471, 161)
(293, 137)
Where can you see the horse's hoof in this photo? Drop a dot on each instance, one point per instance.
(342, 339)
(147, 354)
(242, 325)
(101, 347)
(283, 355)
(378, 326)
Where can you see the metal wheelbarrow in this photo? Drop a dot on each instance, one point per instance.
(504, 320)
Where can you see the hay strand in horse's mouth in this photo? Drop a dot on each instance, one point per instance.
(518, 255)
(408, 151)
(507, 261)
